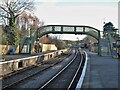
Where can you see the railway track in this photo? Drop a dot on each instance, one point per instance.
(67, 77)
(50, 77)
(9, 81)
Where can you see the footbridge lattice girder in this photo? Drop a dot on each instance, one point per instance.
(68, 29)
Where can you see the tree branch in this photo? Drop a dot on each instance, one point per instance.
(4, 9)
(4, 16)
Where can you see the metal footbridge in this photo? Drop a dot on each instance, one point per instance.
(59, 29)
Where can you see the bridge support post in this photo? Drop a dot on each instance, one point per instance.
(30, 43)
(99, 46)
(38, 42)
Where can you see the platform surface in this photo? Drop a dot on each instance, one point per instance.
(101, 72)
(18, 56)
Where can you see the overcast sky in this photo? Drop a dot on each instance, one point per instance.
(77, 12)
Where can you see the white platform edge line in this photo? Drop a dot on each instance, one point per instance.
(80, 82)
(20, 59)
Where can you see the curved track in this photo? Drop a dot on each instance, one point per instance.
(66, 77)
(66, 69)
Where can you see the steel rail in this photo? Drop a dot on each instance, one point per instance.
(43, 86)
(76, 72)
(80, 82)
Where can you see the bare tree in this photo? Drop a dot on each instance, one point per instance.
(11, 9)
(58, 43)
(9, 12)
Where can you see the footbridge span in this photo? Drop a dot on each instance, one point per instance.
(60, 29)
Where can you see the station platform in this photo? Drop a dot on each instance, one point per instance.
(101, 72)
(18, 56)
